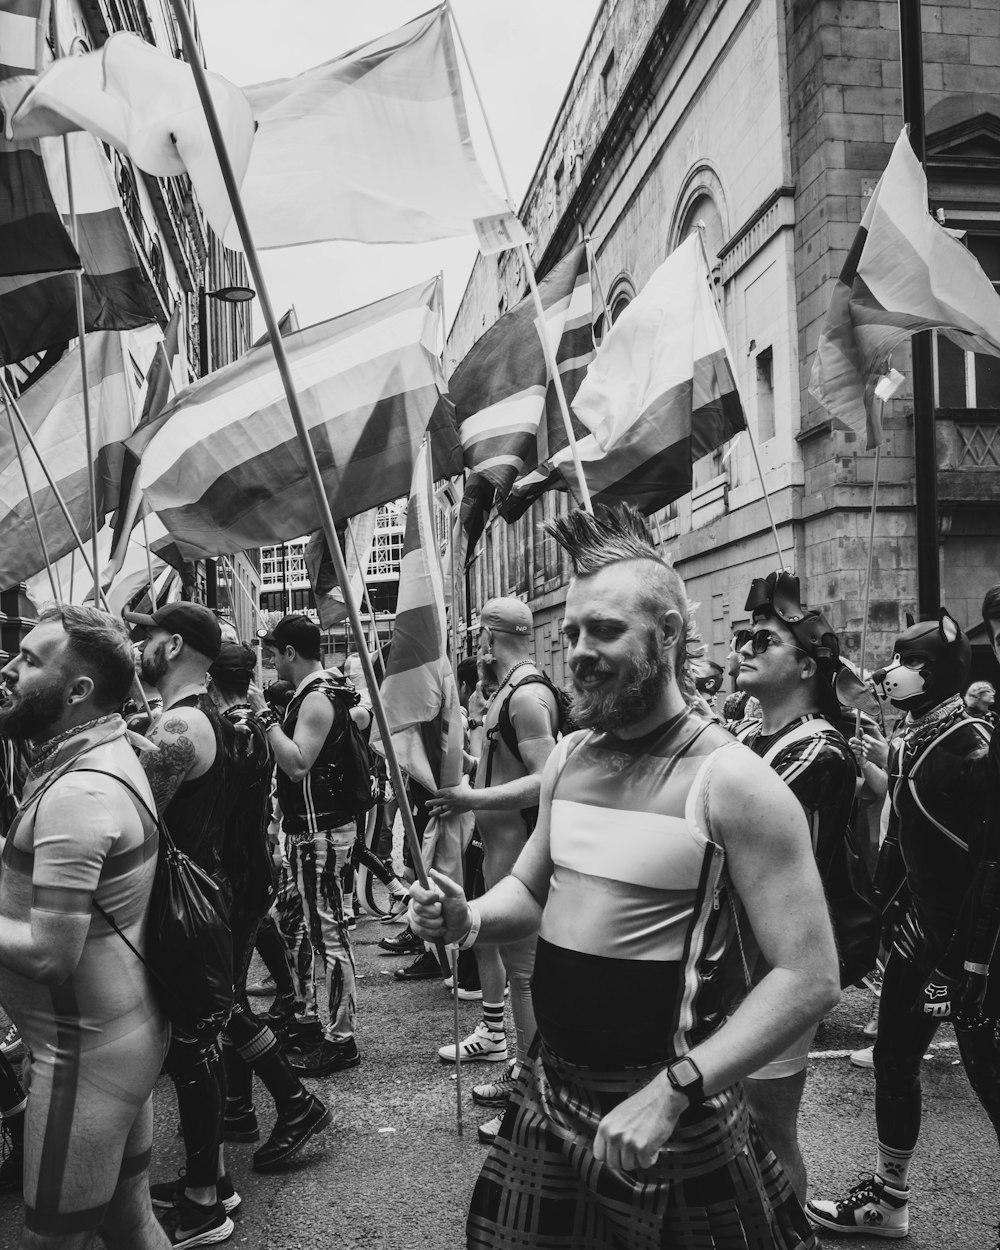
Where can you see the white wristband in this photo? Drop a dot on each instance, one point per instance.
(981, 970)
(474, 927)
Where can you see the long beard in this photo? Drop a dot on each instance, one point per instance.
(634, 697)
(30, 716)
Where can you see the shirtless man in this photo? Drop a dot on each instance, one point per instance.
(504, 798)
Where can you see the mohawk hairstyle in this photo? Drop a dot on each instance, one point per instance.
(618, 534)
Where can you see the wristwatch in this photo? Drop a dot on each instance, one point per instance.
(685, 1076)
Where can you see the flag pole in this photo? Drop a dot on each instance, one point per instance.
(81, 328)
(309, 455)
(543, 330)
(366, 596)
(868, 574)
(746, 412)
(452, 517)
(100, 596)
(49, 567)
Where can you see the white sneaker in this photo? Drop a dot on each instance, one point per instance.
(496, 1093)
(483, 1044)
(872, 1208)
(863, 1058)
(489, 1130)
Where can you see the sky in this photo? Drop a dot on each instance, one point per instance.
(522, 52)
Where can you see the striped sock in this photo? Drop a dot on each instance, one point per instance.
(493, 1016)
(893, 1166)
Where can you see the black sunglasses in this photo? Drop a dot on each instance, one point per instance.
(760, 640)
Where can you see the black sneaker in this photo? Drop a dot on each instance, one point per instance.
(293, 1128)
(405, 942)
(424, 968)
(282, 1009)
(168, 1194)
(299, 1034)
(326, 1058)
(201, 1225)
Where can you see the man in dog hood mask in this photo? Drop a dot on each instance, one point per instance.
(940, 787)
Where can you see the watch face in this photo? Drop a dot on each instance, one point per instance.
(684, 1072)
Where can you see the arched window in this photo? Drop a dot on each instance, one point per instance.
(621, 293)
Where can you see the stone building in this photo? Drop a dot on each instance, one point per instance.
(184, 263)
(767, 123)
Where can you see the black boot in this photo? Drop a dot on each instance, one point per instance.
(240, 1124)
(300, 1114)
(12, 1168)
(273, 951)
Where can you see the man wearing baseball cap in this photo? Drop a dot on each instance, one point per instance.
(520, 729)
(192, 779)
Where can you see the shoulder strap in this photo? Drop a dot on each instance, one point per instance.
(505, 726)
(697, 798)
(807, 729)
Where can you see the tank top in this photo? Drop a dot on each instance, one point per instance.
(196, 815)
(636, 958)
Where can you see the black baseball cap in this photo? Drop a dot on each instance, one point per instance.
(296, 631)
(198, 626)
(234, 665)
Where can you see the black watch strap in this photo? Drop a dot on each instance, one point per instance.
(685, 1076)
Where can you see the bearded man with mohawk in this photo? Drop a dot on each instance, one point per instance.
(658, 837)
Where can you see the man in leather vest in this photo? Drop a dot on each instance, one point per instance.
(788, 664)
(309, 747)
(938, 770)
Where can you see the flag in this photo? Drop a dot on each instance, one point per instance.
(37, 294)
(660, 393)
(222, 466)
(145, 103)
(419, 692)
(904, 274)
(53, 410)
(356, 537)
(33, 238)
(505, 402)
(374, 146)
(159, 386)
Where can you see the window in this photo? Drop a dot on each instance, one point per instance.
(970, 379)
(609, 76)
(765, 394)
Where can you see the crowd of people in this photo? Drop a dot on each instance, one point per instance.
(652, 875)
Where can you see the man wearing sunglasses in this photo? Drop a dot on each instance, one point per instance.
(788, 662)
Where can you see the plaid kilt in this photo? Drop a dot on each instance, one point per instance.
(715, 1186)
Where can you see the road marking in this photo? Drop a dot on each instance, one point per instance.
(846, 1054)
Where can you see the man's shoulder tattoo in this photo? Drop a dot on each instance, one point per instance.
(167, 766)
(175, 725)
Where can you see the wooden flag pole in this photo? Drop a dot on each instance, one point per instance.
(81, 329)
(100, 597)
(746, 413)
(308, 453)
(868, 574)
(543, 330)
(49, 567)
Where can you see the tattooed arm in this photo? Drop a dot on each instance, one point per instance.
(186, 749)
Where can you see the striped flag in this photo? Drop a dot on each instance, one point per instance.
(37, 294)
(660, 393)
(160, 385)
(145, 103)
(356, 538)
(53, 410)
(373, 145)
(222, 466)
(904, 274)
(33, 238)
(505, 402)
(419, 692)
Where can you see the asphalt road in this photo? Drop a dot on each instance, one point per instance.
(392, 1172)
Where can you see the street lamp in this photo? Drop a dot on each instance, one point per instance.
(225, 295)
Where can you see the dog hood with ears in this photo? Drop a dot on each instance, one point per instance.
(935, 652)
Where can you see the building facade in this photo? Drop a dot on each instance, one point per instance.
(285, 585)
(186, 266)
(765, 124)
